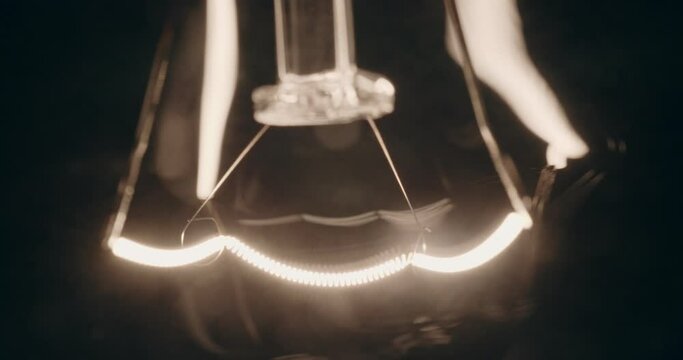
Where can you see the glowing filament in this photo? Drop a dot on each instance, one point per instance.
(150, 256)
(496, 243)
(316, 278)
(506, 233)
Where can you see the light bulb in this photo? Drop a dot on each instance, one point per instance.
(319, 84)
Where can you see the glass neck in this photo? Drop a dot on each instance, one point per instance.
(313, 37)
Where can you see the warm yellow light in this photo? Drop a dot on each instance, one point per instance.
(493, 32)
(151, 256)
(218, 88)
(317, 278)
(498, 241)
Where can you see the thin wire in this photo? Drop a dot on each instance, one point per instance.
(544, 189)
(182, 234)
(155, 86)
(480, 113)
(382, 145)
(227, 174)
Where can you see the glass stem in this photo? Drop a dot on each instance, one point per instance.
(313, 36)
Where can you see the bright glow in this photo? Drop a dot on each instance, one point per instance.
(493, 32)
(220, 79)
(555, 158)
(317, 278)
(147, 255)
(506, 233)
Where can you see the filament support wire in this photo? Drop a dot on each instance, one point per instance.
(506, 176)
(225, 177)
(155, 86)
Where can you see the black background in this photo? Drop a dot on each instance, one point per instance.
(74, 80)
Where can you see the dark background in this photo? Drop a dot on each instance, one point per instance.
(75, 76)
